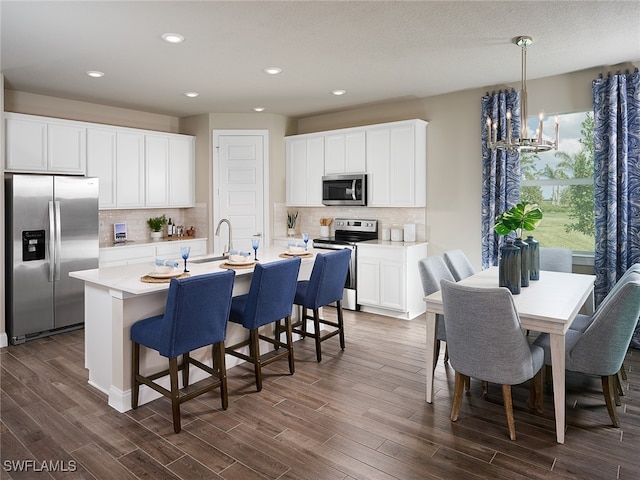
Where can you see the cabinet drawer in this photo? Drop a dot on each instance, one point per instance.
(126, 254)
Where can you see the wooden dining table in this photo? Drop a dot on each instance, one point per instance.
(547, 305)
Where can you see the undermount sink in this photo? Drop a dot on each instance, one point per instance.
(208, 259)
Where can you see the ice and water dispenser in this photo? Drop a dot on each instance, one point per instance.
(33, 245)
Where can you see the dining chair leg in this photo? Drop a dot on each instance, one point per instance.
(535, 393)
(185, 370)
(457, 395)
(467, 385)
(508, 410)
(175, 400)
(221, 370)
(316, 329)
(620, 377)
(340, 323)
(607, 389)
(485, 388)
(254, 353)
(436, 354)
(277, 331)
(135, 371)
(622, 373)
(289, 335)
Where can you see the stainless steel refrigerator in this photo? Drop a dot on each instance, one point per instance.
(51, 230)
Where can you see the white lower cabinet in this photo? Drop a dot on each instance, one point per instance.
(388, 278)
(147, 252)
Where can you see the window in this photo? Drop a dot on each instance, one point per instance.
(561, 182)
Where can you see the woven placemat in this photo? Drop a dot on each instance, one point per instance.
(290, 255)
(237, 267)
(149, 279)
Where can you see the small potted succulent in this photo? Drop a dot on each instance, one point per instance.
(156, 224)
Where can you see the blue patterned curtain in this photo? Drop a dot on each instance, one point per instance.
(500, 170)
(616, 106)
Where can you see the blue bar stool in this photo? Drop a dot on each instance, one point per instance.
(270, 299)
(325, 286)
(195, 315)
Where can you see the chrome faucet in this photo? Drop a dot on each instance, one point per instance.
(230, 244)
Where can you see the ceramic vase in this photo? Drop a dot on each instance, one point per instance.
(509, 267)
(534, 258)
(524, 259)
(156, 236)
(291, 232)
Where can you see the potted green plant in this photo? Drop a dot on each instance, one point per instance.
(292, 218)
(519, 261)
(156, 224)
(523, 216)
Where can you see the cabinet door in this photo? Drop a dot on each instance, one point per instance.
(402, 159)
(66, 148)
(101, 163)
(26, 148)
(378, 144)
(130, 169)
(368, 279)
(181, 172)
(345, 152)
(156, 171)
(305, 167)
(392, 285)
(315, 169)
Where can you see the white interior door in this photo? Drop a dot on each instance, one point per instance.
(240, 176)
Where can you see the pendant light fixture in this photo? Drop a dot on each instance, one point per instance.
(525, 143)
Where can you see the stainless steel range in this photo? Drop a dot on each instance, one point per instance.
(348, 232)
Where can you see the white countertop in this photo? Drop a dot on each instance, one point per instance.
(126, 278)
(133, 243)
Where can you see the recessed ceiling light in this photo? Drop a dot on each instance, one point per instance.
(273, 70)
(191, 94)
(338, 92)
(172, 37)
(95, 74)
(258, 109)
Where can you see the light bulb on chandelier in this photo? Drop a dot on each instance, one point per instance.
(524, 143)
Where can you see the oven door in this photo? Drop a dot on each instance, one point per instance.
(349, 300)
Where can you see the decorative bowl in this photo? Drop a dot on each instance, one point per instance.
(239, 259)
(295, 249)
(165, 269)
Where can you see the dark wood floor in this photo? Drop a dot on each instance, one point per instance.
(360, 414)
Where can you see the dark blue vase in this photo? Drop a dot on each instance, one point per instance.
(524, 259)
(509, 267)
(534, 258)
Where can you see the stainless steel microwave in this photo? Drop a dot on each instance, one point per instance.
(346, 189)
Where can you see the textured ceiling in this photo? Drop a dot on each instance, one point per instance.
(376, 50)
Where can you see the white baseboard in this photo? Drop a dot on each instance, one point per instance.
(4, 340)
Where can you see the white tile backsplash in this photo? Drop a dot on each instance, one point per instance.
(309, 218)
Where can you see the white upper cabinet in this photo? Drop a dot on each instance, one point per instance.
(156, 171)
(305, 167)
(345, 151)
(169, 177)
(393, 155)
(182, 171)
(129, 169)
(101, 163)
(397, 164)
(41, 144)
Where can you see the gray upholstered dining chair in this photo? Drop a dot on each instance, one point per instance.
(432, 270)
(556, 259)
(485, 341)
(582, 322)
(458, 264)
(601, 348)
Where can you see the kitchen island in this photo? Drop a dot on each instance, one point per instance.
(116, 298)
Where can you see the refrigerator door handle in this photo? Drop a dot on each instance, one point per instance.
(51, 244)
(58, 241)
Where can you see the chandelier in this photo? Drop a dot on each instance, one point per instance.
(526, 143)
